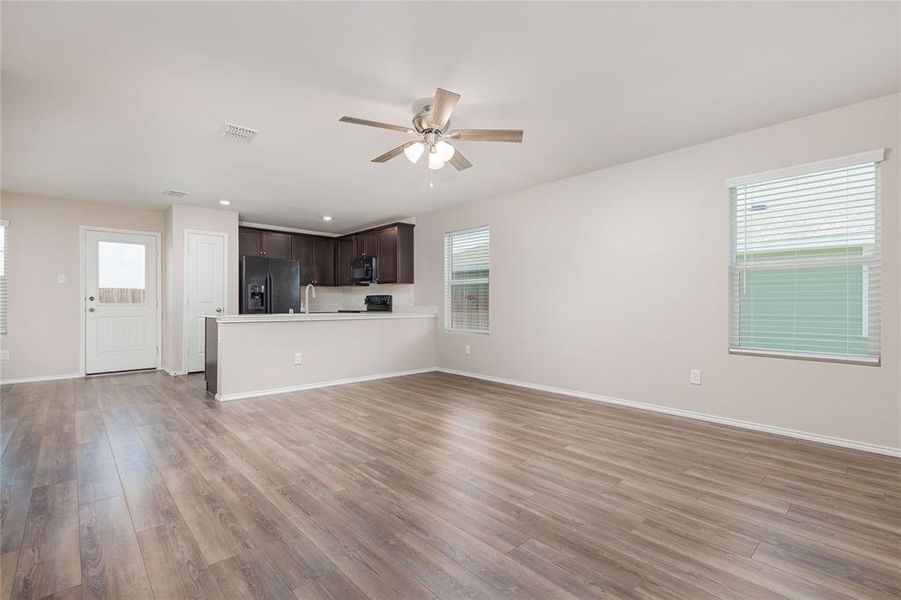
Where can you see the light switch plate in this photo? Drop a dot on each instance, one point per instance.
(4, 354)
(61, 278)
(298, 359)
(695, 376)
(467, 350)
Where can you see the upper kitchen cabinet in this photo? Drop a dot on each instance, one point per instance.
(395, 254)
(257, 242)
(303, 250)
(344, 254)
(366, 242)
(317, 259)
(324, 261)
(276, 244)
(250, 242)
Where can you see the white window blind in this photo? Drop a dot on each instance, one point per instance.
(466, 268)
(805, 277)
(4, 235)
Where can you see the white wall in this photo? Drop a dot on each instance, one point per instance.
(44, 316)
(615, 283)
(178, 219)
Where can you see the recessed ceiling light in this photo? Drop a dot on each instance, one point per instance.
(326, 218)
(225, 202)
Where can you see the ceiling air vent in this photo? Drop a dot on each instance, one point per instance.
(176, 193)
(238, 133)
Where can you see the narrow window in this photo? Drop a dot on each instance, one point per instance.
(466, 275)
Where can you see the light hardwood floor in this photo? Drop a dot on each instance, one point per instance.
(139, 486)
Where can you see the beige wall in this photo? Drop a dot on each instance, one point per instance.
(340, 348)
(615, 283)
(44, 316)
(178, 219)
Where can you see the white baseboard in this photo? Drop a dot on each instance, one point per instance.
(40, 378)
(321, 384)
(783, 431)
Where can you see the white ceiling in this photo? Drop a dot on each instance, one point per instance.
(118, 102)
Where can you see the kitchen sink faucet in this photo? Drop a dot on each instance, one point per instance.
(306, 297)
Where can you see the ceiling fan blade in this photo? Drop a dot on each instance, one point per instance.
(459, 161)
(487, 135)
(443, 106)
(378, 124)
(393, 153)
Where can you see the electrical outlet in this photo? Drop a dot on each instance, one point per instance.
(298, 359)
(467, 350)
(4, 354)
(694, 376)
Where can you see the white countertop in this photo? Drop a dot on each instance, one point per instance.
(418, 313)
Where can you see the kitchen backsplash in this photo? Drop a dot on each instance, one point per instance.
(351, 297)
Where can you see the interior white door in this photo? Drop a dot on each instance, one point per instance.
(121, 300)
(205, 292)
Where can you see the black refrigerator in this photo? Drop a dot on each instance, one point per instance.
(269, 285)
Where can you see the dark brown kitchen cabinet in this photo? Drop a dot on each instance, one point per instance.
(395, 254)
(317, 259)
(303, 249)
(324, 261)
(344, 254)
(276, 244)
(257, 242)
(366, 242)
(250, 242)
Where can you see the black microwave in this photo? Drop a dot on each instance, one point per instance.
(364, 270)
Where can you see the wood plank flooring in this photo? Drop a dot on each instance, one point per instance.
(429, 486)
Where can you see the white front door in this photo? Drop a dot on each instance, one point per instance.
(204, 291)
(121, 299)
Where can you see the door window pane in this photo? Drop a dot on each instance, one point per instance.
(120, 278)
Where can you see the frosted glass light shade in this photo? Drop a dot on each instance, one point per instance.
(414, 151)
(435, 161)
(444, 151)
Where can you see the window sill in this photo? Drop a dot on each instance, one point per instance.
(864, 361)
(466, 332)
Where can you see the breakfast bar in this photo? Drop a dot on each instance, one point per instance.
(259, 355)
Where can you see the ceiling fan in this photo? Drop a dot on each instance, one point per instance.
(430, 126)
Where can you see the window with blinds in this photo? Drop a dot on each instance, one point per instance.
(4, 229)
(466, 274)
(805, 277)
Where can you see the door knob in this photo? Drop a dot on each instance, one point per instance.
(92, 309)
(219, 310)
(91, 298)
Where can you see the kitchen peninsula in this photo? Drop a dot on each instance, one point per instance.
(259, 355)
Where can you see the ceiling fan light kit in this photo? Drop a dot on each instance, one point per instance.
(431, 127)
(414, 151)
